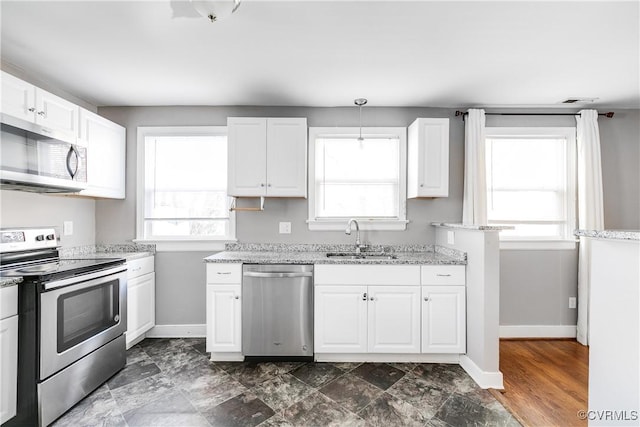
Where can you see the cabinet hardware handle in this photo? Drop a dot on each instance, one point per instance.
(237, 297)
(443, 275)
(372, 299)
(262, 184)
(268, 185)
(426, 298)
(31, 110)
(136, 269)
(364, 296)
(225, 272)
(421, 185)
(42, 113)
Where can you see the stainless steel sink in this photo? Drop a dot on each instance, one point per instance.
(362, 255)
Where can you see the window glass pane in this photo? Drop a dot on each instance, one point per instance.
(551, 231)
(527, 178)
(169, 228)
(527, 163)
(357, 178)
(526, 205)
(185, 186)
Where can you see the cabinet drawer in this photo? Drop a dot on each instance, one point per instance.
(8, 301)
(443, 275)
(367, 275)
(224, 273)
(140, 267)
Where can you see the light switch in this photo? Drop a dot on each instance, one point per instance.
(451, 238)
(285, 228)
(572, 302)
(67, 228)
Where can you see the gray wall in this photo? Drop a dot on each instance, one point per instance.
(21, 209)
(535, 285)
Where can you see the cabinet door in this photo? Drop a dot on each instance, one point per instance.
(340, 324)
(428, 158)
(8, 367)
(56, 113)
(18, 98)
(247, 166)
(394, 319)
(287, 157)
(443, 319)
(106, 152)
(141, 306)
(224, 320)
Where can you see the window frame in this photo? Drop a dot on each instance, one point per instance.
(178, 243)
(339, 223)
(567, 241)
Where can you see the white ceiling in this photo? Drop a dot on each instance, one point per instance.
(326, 53)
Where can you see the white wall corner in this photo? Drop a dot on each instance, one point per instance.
(482, 378)
(537, 331)
(177, 331)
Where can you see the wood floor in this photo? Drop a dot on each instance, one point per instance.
(545, 381)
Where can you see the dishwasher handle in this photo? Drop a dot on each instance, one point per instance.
(277, 275)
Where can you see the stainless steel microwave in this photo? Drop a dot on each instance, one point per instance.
(36, 159)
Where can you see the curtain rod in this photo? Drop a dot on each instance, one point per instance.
(463, 114)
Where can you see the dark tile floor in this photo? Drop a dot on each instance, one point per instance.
(171, 382)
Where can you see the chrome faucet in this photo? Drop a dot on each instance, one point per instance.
(359, 245)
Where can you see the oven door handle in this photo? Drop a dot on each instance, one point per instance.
(83, 278)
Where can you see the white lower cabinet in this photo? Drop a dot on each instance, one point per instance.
(224, 318)
(394, 319)
(340, 319)
(224, 311)
(402, 309)
(8, 352)
(443, 319)
(141, 299)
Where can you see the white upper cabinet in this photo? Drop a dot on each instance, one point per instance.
(428, 158)
(27, 102)
(106, 152)
(267, 157)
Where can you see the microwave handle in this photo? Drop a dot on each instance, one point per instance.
(74, 151)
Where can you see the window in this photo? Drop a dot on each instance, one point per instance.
(363, 179)
(531, 183)
(182, 184)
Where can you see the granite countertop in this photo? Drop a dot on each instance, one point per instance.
(317, 254)
(93, 255)
(610, 234)
(9, 281)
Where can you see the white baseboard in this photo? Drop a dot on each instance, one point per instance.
(387, 357)
(537, 331)
(482, 378)
(178, 331)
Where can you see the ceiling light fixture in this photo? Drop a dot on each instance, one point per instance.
(215, 10)
(360, 102)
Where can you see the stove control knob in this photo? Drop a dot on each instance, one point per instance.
(51, 237)
(40, 238)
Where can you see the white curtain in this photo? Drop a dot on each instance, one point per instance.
(590, 208)
(474, 203)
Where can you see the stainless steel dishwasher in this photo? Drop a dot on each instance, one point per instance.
(277, 311)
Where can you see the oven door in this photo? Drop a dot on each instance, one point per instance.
(79, 315)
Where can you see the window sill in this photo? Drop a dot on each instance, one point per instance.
(537, 245)
(365, 224)
(184, 245)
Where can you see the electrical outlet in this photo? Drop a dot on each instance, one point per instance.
(285, 228)
(572, 302)
(451, 238)
(67, 228)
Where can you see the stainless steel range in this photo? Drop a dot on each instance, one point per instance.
(72, 317)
